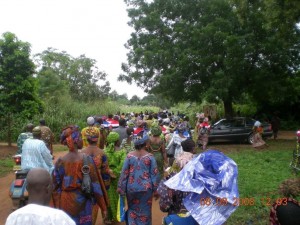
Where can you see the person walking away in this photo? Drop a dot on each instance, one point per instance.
(47, 135)
(203, 132)
(174, 148)
(116, 157)
(121, 130)
(90, 128)
(171, 201)
(138, 182)
(23, 136)
(68, 178)
(139, 127)
(101, 162)
(157, 148)
(37, 211)
(127, 143)
(35, 153)
(275, 123)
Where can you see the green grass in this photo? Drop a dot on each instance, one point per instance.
(260, 174)
(6, 166)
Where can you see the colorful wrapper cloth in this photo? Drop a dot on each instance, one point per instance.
(209, 177)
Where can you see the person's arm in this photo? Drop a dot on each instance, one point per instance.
(19, 144)
(121, 158)
(122, 183)
(164, 155)
(46, 156)
(154, 174)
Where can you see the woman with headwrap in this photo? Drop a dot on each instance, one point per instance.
(101, 163)
(68, 179)
(116, 157)
(157, 148)
(138, 182)
(203, 133)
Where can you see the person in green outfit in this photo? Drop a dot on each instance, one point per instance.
(157, 148)
(116, 158)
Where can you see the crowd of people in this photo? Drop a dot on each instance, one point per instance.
(127, 155)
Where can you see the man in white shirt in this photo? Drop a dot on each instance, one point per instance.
(39, 186)
(35, 153)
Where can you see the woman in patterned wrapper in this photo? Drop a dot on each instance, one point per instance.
(67, 180)
(138, 182)
(101, 163)
(157, 148)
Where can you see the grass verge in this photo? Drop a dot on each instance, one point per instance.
(260, 174)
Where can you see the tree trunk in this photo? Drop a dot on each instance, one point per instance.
(9, 130)
(228, 108)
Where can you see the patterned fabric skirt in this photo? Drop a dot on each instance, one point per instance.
(77, 207)
(258, 141)
(139, 208)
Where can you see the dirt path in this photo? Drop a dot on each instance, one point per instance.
(6, 203)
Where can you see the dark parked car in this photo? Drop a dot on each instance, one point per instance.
(236, 129)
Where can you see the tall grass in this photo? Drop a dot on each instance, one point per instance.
(61, 111)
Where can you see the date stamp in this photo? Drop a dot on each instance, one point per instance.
(248, 201)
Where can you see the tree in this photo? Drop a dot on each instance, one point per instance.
(134, 100)
(218, 50)
(83, 79)
(18, 87)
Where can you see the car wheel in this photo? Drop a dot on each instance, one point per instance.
(250, 138)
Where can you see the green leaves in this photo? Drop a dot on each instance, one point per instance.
(59, 73)
(225, 49)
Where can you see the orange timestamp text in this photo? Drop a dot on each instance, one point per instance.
(250, 201)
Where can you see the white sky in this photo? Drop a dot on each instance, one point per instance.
(96, 28)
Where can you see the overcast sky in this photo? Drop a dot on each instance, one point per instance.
(96, 28)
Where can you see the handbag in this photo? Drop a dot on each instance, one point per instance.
(179, 219)
(86, 185)
(121, 212)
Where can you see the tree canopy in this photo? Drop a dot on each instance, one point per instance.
(218, 50)
(18, 87)
(60, 73)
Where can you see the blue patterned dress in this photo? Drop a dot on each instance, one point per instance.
(139, 179)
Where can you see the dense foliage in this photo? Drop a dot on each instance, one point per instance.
(219, 50)
(60, 73)
(18, 87)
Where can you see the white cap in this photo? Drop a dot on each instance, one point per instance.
(166, 120)
(257, 124)
(90, 120)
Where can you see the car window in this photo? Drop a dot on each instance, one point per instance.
(250, 122)
(239, 122)
(225, 123)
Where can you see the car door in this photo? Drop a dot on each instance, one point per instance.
(238, 129)
(221, 131)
